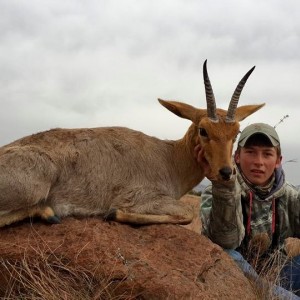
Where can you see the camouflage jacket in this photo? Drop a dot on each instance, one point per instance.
(225, 211)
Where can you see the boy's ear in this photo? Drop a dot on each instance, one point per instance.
(278, 162)
(237, 156)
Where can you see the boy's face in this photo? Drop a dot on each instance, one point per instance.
(258, 163)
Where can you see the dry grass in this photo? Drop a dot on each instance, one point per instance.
(50, 277)
(268, 268)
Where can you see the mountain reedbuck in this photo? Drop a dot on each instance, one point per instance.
(118, 173)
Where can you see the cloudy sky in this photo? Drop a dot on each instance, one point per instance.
(80, 63)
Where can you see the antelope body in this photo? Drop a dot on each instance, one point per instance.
(118, 173)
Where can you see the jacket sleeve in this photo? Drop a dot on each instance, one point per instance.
(297, 213)
(221, 214)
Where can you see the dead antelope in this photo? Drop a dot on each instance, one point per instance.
(118, 173)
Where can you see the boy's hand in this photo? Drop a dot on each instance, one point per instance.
(199, 156)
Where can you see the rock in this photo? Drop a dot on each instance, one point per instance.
(93, 259)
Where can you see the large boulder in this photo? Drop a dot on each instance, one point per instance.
(93, 259)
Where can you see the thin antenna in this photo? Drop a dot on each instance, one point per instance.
(281, 120)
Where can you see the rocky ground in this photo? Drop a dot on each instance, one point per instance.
(92, 259)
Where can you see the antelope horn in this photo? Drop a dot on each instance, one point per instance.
(210, 98)
(235, 97)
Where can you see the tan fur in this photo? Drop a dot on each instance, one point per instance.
(113, 172)
(292, 246)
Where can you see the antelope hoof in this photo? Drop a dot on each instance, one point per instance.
(53, 219)
(49, 216)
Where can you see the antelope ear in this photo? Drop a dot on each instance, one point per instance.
(183, 110)
(245, 111)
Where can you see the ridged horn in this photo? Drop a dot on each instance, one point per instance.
(236, 96)
(210, 98)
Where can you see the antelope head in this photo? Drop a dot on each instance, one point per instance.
(216, 128)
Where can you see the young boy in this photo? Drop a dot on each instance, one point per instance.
(256, 207)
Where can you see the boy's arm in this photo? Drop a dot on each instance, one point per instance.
(221, 214)
(221, 210)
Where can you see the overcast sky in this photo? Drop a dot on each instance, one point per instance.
(80, 63)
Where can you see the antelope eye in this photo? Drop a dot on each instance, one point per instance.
(203, 132)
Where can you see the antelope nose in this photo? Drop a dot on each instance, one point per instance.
(225, 173)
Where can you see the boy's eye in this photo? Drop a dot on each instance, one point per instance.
(269, 154)
(249, 151)
(203, 132)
